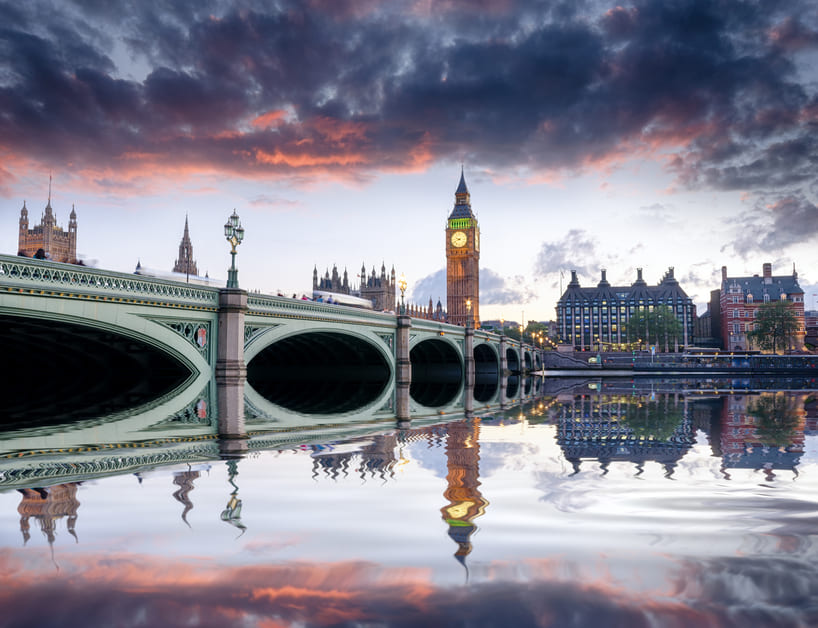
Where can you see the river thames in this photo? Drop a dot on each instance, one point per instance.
(596, 502)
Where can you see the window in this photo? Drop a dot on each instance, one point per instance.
(766, 298)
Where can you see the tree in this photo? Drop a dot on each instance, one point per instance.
(775, 325)
(778, 419)
(657, 419)
(658, 326)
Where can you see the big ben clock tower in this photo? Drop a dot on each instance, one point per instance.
(462, 260)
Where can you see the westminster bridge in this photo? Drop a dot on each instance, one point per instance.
(86, 343)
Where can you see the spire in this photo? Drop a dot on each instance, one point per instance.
(461, 188)
(185, 262)
(48, 216)
(462, 200)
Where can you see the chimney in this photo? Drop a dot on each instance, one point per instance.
(639, 274)
(574, 280)
(767, 269)
(724, 273)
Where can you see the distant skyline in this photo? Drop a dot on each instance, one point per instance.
(593, 135)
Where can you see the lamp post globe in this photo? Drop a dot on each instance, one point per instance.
(234, 234)
(402, 284)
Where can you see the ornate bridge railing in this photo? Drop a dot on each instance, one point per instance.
(283, 307)
(31, 276)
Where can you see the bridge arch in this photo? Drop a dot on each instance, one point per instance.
(486, 372)
(320, 370)
(91, 367)
(513, 358)
(437, 372)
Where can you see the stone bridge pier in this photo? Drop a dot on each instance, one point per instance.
(231, 370)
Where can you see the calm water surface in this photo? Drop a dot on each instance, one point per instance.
(600, 504)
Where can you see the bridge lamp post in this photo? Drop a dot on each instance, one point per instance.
(502, 326)
(468, 312)
(402, 285)
(234, 233)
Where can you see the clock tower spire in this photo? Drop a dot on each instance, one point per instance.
(463, 260)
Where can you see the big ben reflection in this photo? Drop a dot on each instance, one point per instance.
(463, 479)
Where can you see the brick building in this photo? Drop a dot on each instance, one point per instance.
(739, 299)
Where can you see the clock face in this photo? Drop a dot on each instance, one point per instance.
(459, 239)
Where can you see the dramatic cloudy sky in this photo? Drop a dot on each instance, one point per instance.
(593, 135)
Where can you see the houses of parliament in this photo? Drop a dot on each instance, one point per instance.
(48, 240)
(462, 272)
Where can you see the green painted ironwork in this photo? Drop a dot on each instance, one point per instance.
(27, 275)
(461, 223)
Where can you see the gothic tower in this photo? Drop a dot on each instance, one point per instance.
(185, 262)
(47, 239)
(466, 503)
(463, 260)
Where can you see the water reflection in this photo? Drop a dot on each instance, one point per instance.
(597, 503)
(634, 429)
(462, 485)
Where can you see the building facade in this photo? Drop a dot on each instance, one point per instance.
(47, 239)
(595, 319)
(380, 289)
(741, 297)
(462, 260)
(185, 263)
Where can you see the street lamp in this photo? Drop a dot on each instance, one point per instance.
(402, 285)
(234, 233)
(502, 326)
(468, 312)
(521, 347)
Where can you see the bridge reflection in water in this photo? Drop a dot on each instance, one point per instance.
(542, 478)
(278, 483)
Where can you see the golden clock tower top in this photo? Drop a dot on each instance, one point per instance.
(463, 260)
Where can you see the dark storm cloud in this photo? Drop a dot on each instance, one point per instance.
(775, 224)
(353, 88)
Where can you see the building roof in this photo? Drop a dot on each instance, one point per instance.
(668, 290)
(759, 286)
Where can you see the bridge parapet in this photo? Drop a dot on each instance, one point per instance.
(31, 276)
(284, 307)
